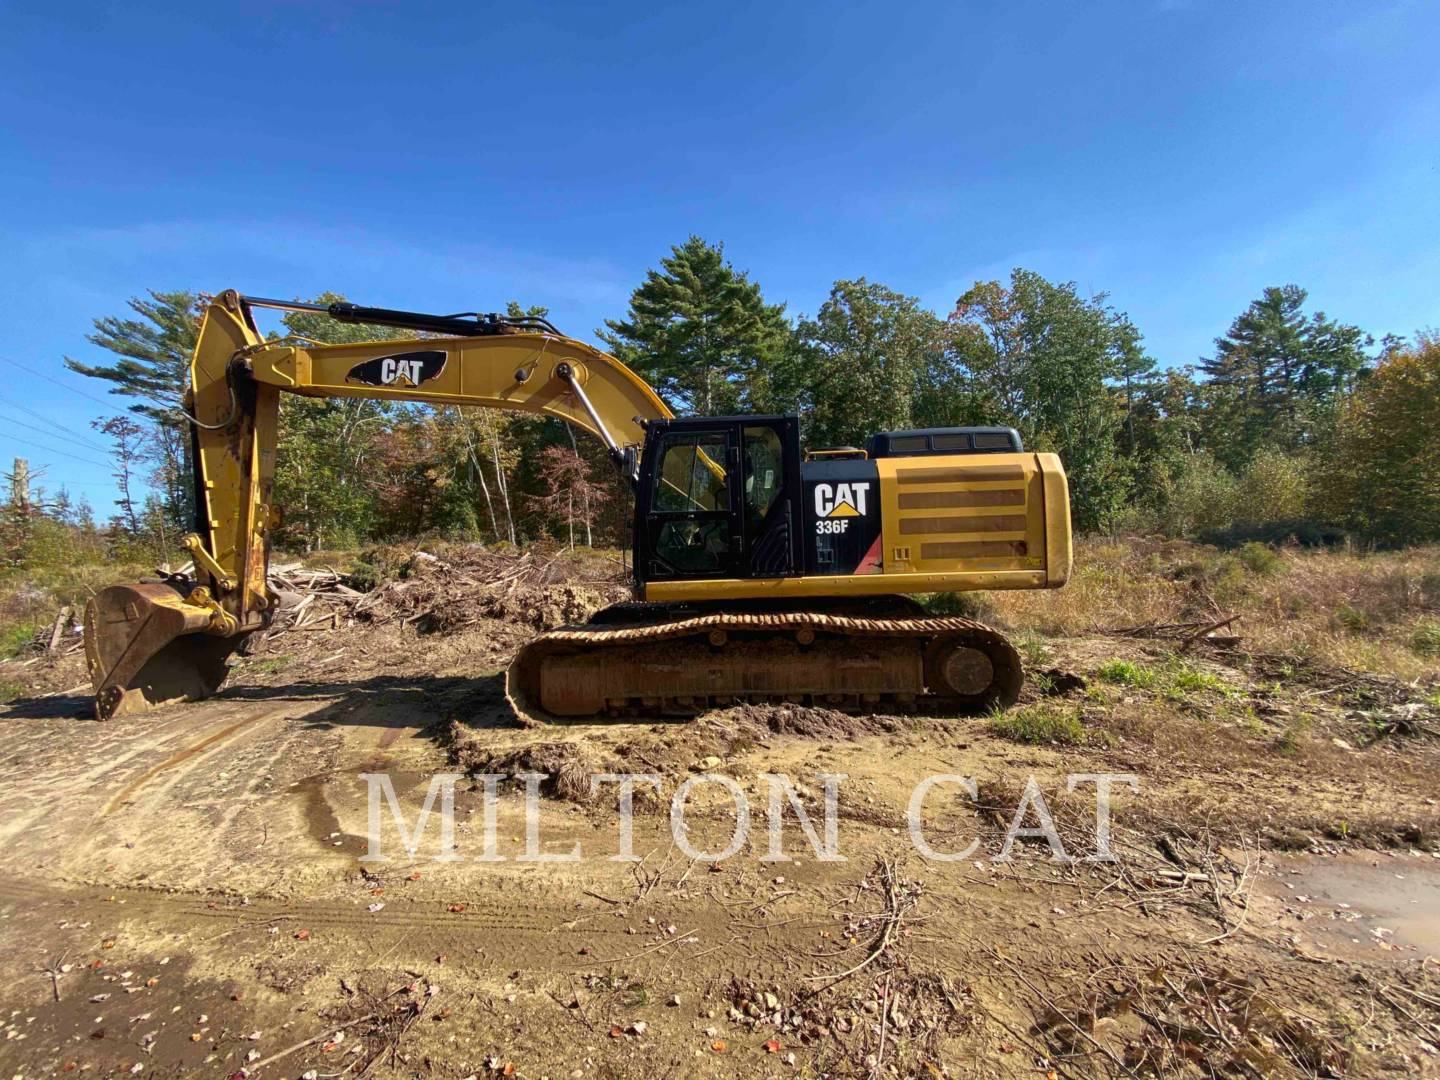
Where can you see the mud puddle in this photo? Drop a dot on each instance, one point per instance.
(324, 796)
(1387, 903)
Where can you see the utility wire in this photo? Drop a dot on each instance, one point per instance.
(64, 386)
(52, 450)
(53, 434)
(81, 483)
(43, 419)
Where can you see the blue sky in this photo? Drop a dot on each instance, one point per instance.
(1179, 155)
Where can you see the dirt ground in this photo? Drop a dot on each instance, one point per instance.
(183, 893)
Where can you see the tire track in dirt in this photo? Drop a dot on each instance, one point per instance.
(56, 762)
(181, 756)
(501, 923)
(62, 810)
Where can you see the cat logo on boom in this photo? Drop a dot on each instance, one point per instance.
(399, 369)
(841, 500)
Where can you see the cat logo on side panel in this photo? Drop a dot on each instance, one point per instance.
(399, 370)
(841, 500)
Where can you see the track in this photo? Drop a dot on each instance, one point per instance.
(685, 665)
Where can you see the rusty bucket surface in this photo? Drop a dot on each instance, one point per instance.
(145, 646)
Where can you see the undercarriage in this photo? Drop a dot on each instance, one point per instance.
(678, 660)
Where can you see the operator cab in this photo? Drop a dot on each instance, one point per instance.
(719, 497)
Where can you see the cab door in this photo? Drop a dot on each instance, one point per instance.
(770, 502)
(690, 518)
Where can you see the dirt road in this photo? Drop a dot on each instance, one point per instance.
(183, 894)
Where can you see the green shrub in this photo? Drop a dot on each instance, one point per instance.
(1425, 640)
(966, 605)
(1037, 724)
(273, 664)
(364, 576)
(1185, 679)
(1352, 619)
(1227, 578)
(1032, 647)
(1199, 494)
(376, 565)
(1175, 678)
(1259, 558)
(13, 639)
(1274, 486)
(1129, 673)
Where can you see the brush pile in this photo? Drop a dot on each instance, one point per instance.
(310, 599)
(447, 594)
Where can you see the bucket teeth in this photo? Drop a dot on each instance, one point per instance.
(146, 645)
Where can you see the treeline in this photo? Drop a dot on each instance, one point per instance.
(1294, 425)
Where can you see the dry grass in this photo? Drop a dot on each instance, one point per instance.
(31, 597)
(1371, 612)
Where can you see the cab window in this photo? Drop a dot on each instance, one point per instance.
(763, 471)
(691, 476)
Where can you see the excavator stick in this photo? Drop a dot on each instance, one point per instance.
(146, 645)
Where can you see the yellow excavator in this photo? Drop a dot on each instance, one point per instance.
(761, 573)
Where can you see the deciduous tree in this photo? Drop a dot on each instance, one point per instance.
(1382, 463)
(571, 494)
(1046, 360)
(857, 366)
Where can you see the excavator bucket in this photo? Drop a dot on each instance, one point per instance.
(146, 645)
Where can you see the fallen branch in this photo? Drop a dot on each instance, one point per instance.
(1055, 1011)
(327, 1033)
(1206, 631)
(675, 940)
(58, 630)
(891, 917)
(1187, 633)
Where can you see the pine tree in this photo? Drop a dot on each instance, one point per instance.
(1274, 370)
(154, 367)
(155, 352)
(701, 333)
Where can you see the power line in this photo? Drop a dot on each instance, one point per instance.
(43, 419)
(52, 450)
(51, 433)
(57, 382)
